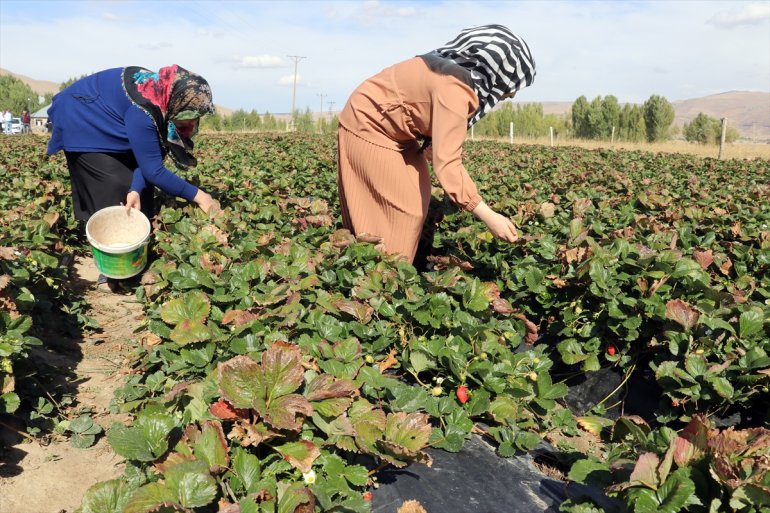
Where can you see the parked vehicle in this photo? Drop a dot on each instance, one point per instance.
(14, 127)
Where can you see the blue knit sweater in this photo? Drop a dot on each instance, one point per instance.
(95, 115)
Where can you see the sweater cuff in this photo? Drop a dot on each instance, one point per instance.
(473, 203)
(188, 192)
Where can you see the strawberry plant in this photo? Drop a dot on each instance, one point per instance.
(288, 360)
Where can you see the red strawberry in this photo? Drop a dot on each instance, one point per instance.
(611, 350)
(225, 411)
(367, 496)
(462, 394)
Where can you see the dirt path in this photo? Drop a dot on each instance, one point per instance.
(53, 478)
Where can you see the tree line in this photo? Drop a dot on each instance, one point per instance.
(603, 119)
(242, 121)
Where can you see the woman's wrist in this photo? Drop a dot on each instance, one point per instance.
(201, 197)
(482, 211)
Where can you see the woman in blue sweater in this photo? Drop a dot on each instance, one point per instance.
(117, 126)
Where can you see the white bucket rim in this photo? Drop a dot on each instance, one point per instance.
(119, 249)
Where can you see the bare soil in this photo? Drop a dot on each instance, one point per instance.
(48, 475)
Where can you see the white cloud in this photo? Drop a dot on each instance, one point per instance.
(156, 46)
(374, 11)
(110, 16)
(752, 14)
(260, 61)
(289, 80)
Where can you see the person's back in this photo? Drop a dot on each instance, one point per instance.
(88, 116)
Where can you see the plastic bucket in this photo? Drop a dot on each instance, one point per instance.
(119, 241)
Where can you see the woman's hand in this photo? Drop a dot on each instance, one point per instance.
(206, 202)
(133, 201)
(500, 226)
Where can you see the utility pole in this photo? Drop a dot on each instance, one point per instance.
(321, 111)
(331, 112)
(296, 58)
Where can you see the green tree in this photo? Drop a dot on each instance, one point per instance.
(212, 123)
(610, 116)
(658, 116)
(631, 122)
(580, 118)
(707, 130)
(237, 121)
(16, 96)
(304, 122)
(254, 120)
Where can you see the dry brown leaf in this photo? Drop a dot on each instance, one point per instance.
(726, 266)
(704, 258)
(388, 362)
(7, 253)
(151, 340)
(411, 506)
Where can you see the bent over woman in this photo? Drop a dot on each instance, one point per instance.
(427, 102)
(117, 126)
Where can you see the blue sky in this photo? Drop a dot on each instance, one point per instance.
(631, 49)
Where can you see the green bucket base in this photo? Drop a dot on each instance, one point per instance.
(120, 265)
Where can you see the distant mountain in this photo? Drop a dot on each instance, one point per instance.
(41, 87)
(747, 111)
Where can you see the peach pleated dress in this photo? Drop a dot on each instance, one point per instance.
(383, 179)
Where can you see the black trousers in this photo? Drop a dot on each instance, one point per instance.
(102, 180)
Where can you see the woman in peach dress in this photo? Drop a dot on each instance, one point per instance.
(419, 108)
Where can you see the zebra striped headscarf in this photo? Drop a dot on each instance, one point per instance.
(499, 62)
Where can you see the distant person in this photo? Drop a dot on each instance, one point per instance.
(117, 126)
(25, 128)
(418, 108)
(7, 117)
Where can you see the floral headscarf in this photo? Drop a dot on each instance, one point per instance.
(173, 93)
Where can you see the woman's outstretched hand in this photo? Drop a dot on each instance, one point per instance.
(133, 201)
(500, 226)
(206, 202)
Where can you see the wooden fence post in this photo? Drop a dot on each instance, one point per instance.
(722, 138)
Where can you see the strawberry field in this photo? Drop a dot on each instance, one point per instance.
(287, 362)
